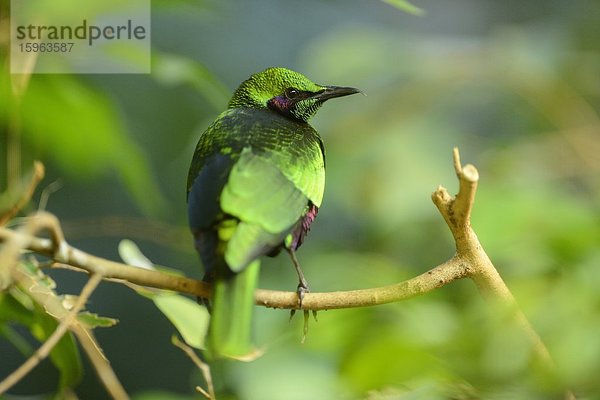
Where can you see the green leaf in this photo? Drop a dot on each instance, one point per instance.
(16, 339)
(16, 307)
(171, 69)
(405, 6)
(190, 318)
(132, 255)
(92, 320)
(13, 311)
(65, 355)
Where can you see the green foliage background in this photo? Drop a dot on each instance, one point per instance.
(516, 85)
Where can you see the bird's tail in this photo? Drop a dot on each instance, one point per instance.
(230, 330)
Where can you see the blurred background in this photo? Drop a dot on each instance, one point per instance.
(515, 85)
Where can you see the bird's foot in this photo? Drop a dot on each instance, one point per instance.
(204, 301)
(302, 284)
(301, 291)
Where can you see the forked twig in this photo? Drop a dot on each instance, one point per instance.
(202, 366)
(44, 350)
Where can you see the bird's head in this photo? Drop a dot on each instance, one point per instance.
(285, 92)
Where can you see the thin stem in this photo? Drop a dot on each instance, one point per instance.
(101, 365)
(36, 177)
(202, 366)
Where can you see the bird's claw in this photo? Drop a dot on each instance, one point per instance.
(301, 291)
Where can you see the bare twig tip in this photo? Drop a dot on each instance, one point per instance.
(441, 195)
(470, 173)
(456, 156)
(39, 170)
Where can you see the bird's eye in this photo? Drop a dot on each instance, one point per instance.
(292, 93)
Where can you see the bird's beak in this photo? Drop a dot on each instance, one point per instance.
(331, 92)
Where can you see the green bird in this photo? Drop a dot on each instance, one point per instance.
(254, 187)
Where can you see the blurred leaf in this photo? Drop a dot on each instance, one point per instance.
(41, 322)
(189, 317)
(432, 390)
(65, 355)
(405, 6)
(13, 310)
(45, 282)
(385, 359)
(172, 69)
(517, 220)
(79, 128)
(15, 339)
(92, 320)
(132, 255)
(503, 341)
(288, 372)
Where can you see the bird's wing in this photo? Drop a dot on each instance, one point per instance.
(267, 204)
(204, 191)
(296, 150)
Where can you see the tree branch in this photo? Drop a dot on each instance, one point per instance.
(435, 278)
(60, 251)
(453, 269)
(457, 214)
(470, 261)
(24, 238)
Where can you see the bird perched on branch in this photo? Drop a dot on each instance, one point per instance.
(254, 187)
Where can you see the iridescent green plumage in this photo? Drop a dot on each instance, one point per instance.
(254, 186)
